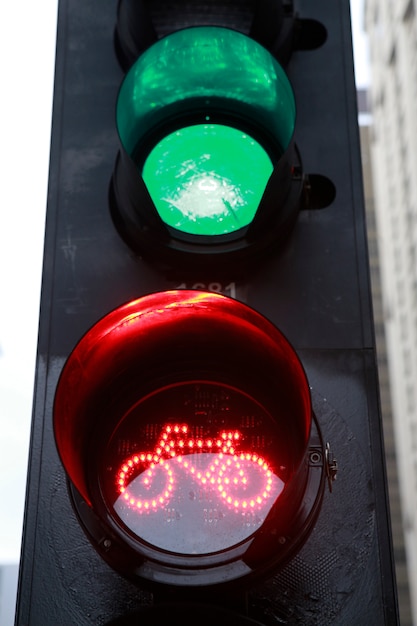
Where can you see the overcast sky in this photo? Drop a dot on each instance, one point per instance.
(27, 43)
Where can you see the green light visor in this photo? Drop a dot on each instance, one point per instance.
(205, 113)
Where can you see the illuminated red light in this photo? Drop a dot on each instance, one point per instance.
(183, 420)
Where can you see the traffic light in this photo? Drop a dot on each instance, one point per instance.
(196, 112)
(205, 346)
(191, 451)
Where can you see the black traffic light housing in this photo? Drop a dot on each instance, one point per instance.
(316, 291)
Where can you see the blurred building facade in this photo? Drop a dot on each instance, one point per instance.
(392, 29)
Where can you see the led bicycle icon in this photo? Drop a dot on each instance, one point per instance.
(243, 481)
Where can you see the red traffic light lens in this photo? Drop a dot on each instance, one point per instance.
(183, 420)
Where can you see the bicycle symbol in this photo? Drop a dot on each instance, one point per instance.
(241, 480)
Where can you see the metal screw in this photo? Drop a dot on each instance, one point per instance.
(315, 457)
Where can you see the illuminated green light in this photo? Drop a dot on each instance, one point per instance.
(181, 111)
(207, 179)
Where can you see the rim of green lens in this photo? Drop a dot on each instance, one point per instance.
(201, 70)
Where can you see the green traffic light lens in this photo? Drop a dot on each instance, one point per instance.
(206, 113)
(207, 179)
